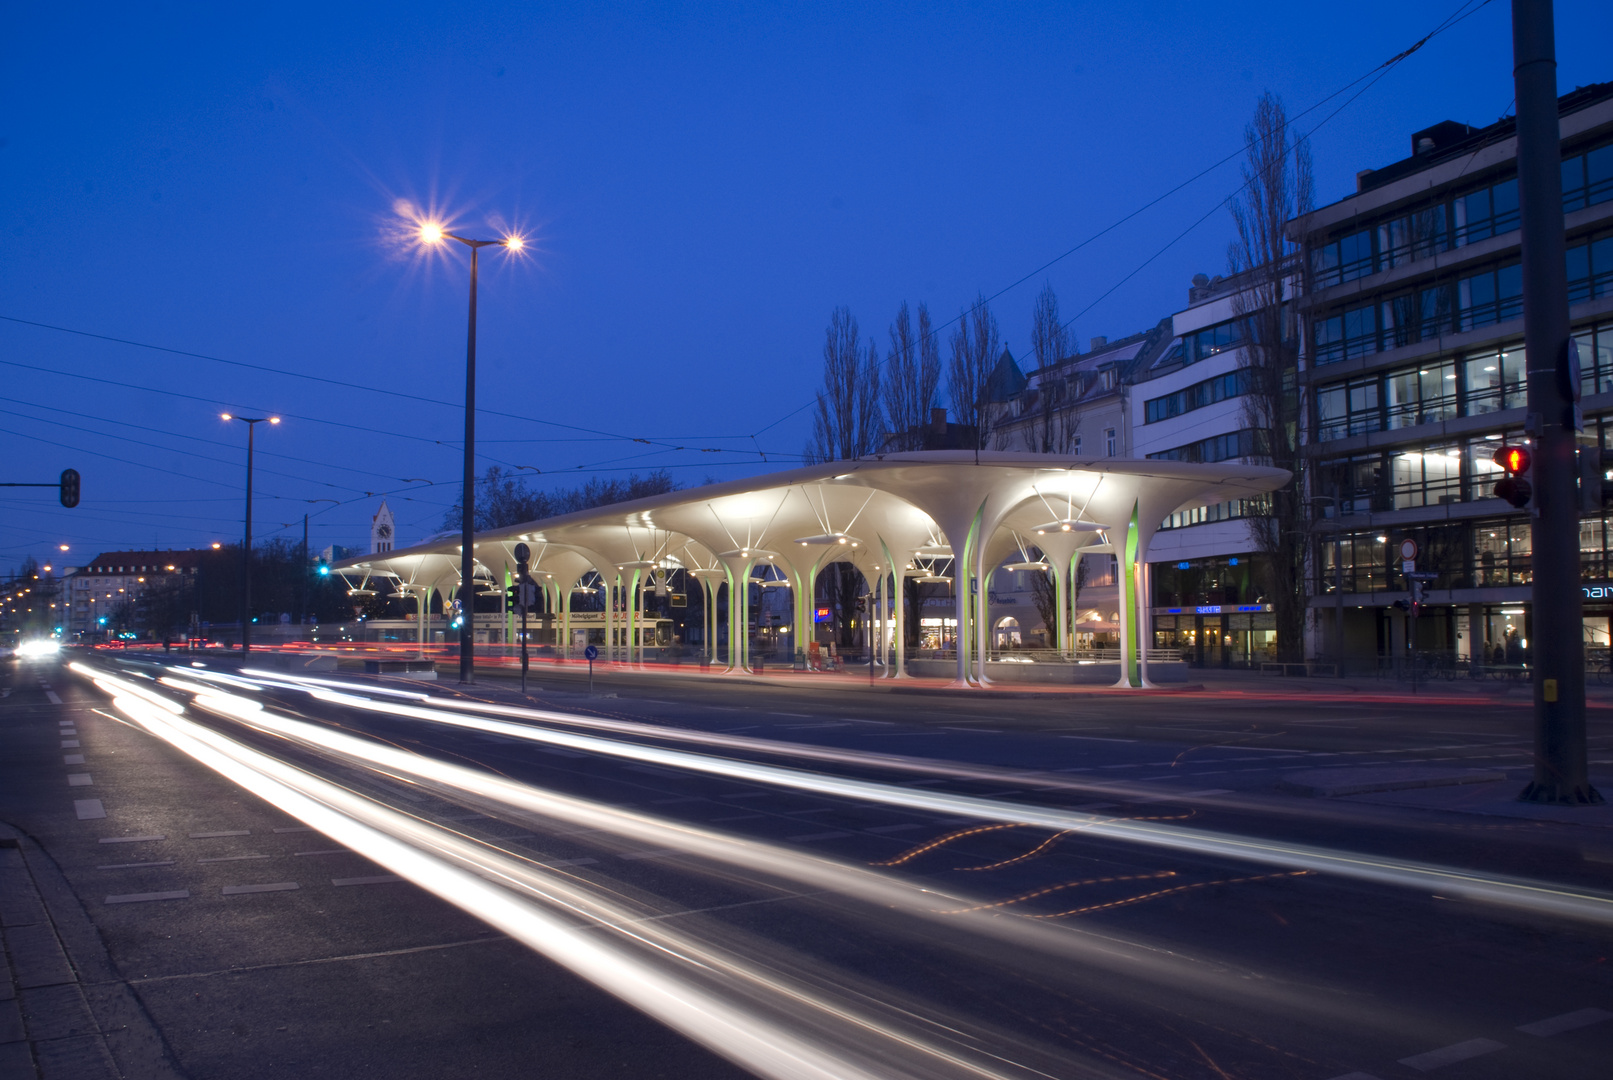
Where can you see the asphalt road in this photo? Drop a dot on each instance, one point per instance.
(807, 881)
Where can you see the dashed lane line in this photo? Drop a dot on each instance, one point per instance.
(1573, 1021)
(72, 759)
(135, 865)
(226, 832)
(144, 897)
(377, 879)
(69, 744)
(276, 886)
(234, 858)
(50, 695)
(87, 809)
(79, 779)
(128, 839)
(1450, 1055)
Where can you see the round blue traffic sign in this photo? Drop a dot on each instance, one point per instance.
(591, 653)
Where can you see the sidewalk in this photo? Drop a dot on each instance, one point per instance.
(64, 1012)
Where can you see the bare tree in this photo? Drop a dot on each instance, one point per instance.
(1058, 416)
(1277, 187)
(975, 348)
(848, 422)
(912, 378)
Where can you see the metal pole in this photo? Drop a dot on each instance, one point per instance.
(1561, 774)
(522, 594)
(302, 616)
(1338, 600)
(246, 549)
(467, 533)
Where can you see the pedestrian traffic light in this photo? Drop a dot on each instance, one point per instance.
(1514, 487)
(511, 597)
(69, 488)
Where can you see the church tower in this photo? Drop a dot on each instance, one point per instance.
(381, 530)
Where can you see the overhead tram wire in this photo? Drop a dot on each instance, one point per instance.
(1468, 7)
(343, 384)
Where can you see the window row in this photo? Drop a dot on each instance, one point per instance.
(1470, 384)
(1234, 444)
(1205, 343)
(1231, 385)
(1224, 511)
(1467, 555)
(1491, 210)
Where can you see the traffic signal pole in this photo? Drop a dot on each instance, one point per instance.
(1558, 652)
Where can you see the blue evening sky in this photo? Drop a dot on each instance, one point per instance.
(701, 185)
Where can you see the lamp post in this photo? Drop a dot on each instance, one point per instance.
(434, 234)
(302, 619)
(251, 423)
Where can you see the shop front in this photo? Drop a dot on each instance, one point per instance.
(1217, 635)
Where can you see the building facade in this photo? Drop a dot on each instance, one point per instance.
(1415, 374)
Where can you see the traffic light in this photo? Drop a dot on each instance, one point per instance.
(1514, 487)
(512, 596)
(69, 488)
(1594, 489)
(1416, 598)
(323, 569)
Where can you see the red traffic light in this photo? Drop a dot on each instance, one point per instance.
(1514, 459)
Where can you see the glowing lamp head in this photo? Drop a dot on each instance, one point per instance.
(274, 419)
(431, 233)
(62, 546)
(225, 416)
(514, 243)
(217, 545)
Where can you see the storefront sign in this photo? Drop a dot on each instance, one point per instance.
(1218, 609)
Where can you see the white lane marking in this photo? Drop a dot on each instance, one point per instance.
(294, 828)
(228, 832)
(129, 839)
(1450, 1055)
(142, 897)
(135, 865)
(50, 696)
(657, 854)
(1556, 1025)
(88, 808)
(69, 744)
(893, 828)
(278, 886)
(378, 879)
(64, 723)
(72, 759)
(79, 779)
(330, 851)
(234, 858)
(807, 838)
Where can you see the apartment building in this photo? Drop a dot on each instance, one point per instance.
(112, 579)
(1415, 373)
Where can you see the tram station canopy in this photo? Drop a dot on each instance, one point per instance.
(941, 515)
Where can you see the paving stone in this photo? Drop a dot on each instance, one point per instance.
(56, 1012)
(83, 1058)
(16, 1062)
(11, 1029)
(36, 956)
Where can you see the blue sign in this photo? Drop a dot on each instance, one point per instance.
(591, 653)
(1183, 565)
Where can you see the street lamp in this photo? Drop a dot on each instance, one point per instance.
(433, 233)
(251, 423)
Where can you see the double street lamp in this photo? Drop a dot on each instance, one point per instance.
(251, 423)
(434, 234)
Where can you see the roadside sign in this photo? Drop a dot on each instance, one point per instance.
(528, 596)
(1408, 549)
(591, 653)
(1409, 566)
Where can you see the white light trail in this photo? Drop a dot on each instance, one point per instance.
(727, 1004)
(1495, 889)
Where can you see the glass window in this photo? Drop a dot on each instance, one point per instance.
(1599, 175)
(1434, 310)
(1400, 398)
(1397, 316)
(1579, 273)
(1490, 296)
(1485, 384)
(1329, 335)
(1355, 255)
(1602, 266)
(1332, 412)
(1574, 183)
